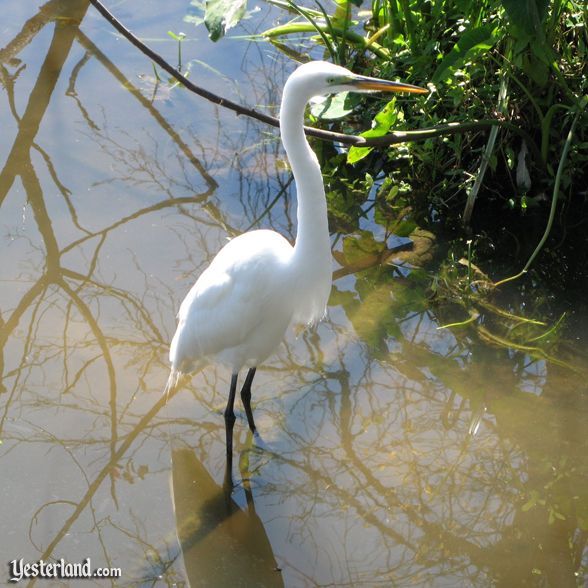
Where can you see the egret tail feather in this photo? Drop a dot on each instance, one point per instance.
(172, 382)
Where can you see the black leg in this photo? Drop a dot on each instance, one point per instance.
(246, 398)
(230, 420)
(228, 481)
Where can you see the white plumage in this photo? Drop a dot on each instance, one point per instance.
(258, 284)
(235, 313)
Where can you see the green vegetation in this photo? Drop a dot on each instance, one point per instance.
(521, 62)
(517, 67)
(519, 185)
(504, 170)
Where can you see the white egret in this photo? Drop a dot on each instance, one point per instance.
(258, 284)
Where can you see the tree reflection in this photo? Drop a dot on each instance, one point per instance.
(392, 453)
(73, 297)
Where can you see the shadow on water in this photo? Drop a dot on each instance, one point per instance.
(394, 453)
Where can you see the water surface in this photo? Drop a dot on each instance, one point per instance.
(391, 453)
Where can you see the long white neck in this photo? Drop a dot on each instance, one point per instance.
(312, 250)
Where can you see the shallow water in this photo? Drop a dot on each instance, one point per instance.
(391, 452)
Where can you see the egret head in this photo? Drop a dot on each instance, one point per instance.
(317, 78)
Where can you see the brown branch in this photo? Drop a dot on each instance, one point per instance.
(393, 138)
(400, 137)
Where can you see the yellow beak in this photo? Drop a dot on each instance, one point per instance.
(366, 83)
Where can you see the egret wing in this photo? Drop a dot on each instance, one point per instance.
(232, 297)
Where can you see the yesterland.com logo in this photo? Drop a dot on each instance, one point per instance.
(19, 570)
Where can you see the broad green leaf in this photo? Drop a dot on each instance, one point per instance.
(356, 154)
(536, 69)
(382, 124)
(341, 298)
(330, 107)
(221, 15)
(383, 120)
(472, 41)
(544, 53)
(527, 15)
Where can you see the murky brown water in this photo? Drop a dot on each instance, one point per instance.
(114, 195)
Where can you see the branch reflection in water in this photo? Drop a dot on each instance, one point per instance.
(369, 473)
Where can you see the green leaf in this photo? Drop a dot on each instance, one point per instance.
(382, 124)
(356, 154)
(383, 120)
(471, 42)
(221, 15)
(330, 107)
(527, 15)
(535, 69)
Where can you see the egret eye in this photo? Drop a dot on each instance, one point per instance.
(339, 80)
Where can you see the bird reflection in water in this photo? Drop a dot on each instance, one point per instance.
(222, 544)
